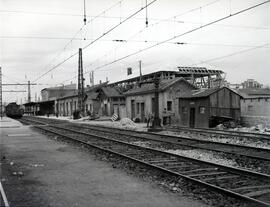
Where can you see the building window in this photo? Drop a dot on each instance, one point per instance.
(250, 108)
(202, 110)
(184, 110)
(169, 105)
(138, 108)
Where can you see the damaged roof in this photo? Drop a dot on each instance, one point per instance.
(150, 87)
(255, 92)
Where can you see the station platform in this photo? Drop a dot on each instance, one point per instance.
(37, 171)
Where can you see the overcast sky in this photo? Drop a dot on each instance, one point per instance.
(37, 35)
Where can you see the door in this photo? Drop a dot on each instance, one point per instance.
(105, 110)
(132, 109)
(192, 118)
(116, 109)
(142, 112)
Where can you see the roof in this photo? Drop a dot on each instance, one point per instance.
(38, 102)
(111, 92)
(92, 94)
(182, 72)
(64, 87)
(70, 94)
(150, 87)
(204, 93)
(198, 71)
(29, 104)
(96, 87)
(255, 92)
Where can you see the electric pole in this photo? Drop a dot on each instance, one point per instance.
(29, 92)
(156, 121)
(1, 100)
(81, 95)
(140, 66)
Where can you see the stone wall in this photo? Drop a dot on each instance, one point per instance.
(255, 106)
(249, 121)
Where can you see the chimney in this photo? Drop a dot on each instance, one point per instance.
(106, 79)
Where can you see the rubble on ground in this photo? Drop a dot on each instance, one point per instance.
(128, 124)
(260, 128)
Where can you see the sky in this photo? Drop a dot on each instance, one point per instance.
(39, 40)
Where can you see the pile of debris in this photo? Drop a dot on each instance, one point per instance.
(127, 123)
(260, 128)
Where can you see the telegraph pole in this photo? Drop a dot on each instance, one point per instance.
(140, 66)
(29, 92)
(1, 99)
(81, 94)
(156, 121)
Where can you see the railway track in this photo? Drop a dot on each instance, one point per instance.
(248, 151)
(247, 157)
(228, 133)
(249, 186)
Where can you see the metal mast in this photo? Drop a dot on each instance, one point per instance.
(81, 95)
(1, 100)
(29, 92)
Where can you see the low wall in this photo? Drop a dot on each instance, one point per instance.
(249, 121)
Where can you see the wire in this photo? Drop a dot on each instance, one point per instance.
(129, 41)
(11, 79)
(182, 34)
(154, 24)
(73, 38)
(120, 2)
(232, 54)
(95, 40)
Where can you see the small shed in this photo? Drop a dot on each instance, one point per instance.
(209, 107)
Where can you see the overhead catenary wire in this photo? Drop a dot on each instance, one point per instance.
(232, 54)
(156, 23)
(177, 36)
(120, 2)
(75, 35)
(95, 40)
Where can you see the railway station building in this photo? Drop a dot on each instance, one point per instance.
(140, 100)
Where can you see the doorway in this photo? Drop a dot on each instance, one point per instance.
(192, 118)
(142, 113)
(132, 109)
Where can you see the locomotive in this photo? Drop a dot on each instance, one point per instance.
(14, 110)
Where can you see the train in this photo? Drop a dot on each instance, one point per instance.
(14, 110)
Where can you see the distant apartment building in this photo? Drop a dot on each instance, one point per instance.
(251, 83)
(53, 93)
